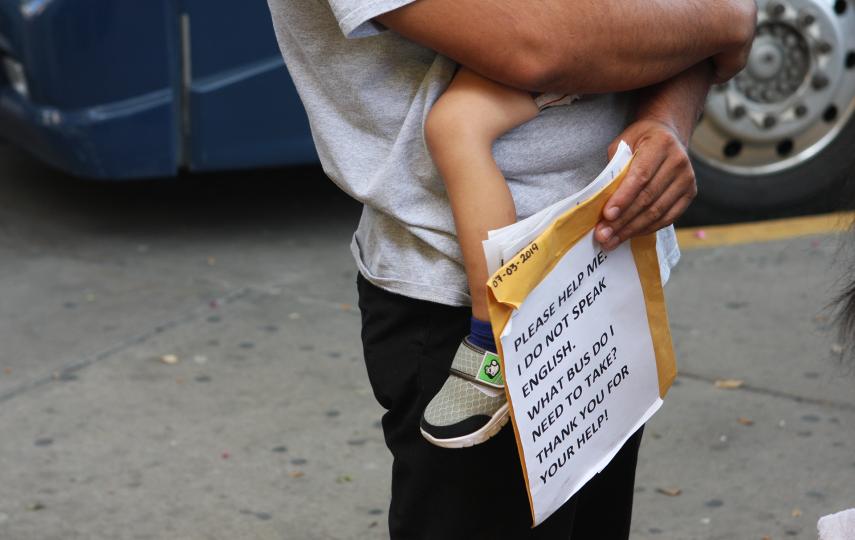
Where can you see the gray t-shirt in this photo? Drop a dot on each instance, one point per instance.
(367, 91)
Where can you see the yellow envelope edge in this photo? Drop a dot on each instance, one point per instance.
(500, 314)
(647, 263)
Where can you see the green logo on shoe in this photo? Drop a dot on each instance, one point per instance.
(491, 370)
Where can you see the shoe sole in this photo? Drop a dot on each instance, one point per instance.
(498, 420)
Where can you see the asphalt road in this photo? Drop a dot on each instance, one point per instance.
(266, 427)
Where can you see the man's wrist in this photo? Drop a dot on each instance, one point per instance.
(678, 102)
(676, 121)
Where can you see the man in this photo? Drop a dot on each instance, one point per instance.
(368, 72)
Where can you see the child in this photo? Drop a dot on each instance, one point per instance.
(460, 130)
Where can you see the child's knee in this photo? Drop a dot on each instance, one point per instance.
(445, 122)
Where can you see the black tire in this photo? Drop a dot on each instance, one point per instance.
(817, 178)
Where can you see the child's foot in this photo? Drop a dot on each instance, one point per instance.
(471, 406)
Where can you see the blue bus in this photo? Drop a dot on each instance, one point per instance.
(120, 89)
(116, 89)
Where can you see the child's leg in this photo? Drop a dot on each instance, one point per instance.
(460, 131)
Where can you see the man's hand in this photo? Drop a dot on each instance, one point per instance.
(660, 183)
(658, 188)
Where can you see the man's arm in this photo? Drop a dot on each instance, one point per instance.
(581, 46)
(660, 183)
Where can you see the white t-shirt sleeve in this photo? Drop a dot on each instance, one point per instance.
(355, 17)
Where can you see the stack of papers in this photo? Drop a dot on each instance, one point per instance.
(502, 244)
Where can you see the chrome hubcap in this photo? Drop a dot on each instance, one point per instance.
(777, 66)
(795, 94)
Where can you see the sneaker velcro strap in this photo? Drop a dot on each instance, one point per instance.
(478, 366)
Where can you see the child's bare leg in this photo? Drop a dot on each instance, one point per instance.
(460, 131)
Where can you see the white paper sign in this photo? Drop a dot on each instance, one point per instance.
(580, 370)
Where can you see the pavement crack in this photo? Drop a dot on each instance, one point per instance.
(78, 365)
(774, 393)
(195, 313)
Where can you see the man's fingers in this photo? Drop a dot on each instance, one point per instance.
(669, 206)
(676, 211)
(668, 173)
(636, 186)
(675, 169)
(659, 178)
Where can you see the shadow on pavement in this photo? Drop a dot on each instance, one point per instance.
(273, 198)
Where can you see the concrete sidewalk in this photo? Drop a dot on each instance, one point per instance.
(266, 426)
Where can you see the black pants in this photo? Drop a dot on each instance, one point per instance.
(476, 492)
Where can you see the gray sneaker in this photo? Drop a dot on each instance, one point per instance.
(471, 406)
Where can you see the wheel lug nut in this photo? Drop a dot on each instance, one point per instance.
(738, 112)
(823, 47)
(806, 19)
(769, 121)
(801, 110)
(819, 81)
(776, 9)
